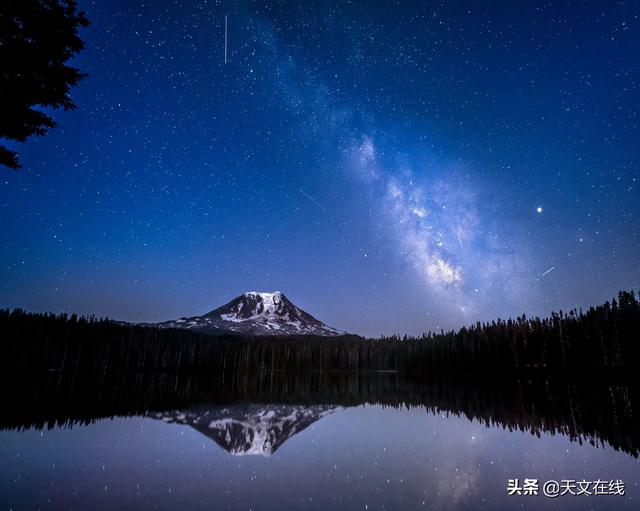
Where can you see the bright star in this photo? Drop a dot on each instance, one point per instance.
(539, 209)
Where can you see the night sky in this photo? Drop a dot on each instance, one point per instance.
(390, 167)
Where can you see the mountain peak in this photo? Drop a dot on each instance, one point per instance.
(270, 299)
(256, 313)
(262, 294)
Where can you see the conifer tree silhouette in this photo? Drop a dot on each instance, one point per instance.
(37, 38)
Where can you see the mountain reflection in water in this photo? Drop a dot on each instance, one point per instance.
(248, 429)
(222, 406)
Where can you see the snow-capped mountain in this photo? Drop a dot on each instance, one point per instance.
(256, 313)
(249, 429)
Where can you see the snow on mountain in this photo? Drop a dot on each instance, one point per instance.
(249, 429)
(255, 313)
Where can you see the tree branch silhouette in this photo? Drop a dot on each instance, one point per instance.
(37, 38)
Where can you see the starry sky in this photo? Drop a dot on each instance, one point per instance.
(392, 167)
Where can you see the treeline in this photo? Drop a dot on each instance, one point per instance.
(603, 338)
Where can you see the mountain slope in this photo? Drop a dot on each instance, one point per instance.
(256, 313)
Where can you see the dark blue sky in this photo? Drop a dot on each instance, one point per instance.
(380, 163)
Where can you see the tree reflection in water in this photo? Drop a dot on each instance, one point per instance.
(225, 406)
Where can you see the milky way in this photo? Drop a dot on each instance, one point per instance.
(390, 168)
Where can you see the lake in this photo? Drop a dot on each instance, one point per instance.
(451, 445)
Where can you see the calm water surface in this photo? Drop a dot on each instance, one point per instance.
(280, 457)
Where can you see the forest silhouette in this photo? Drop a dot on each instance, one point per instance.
(602, 339)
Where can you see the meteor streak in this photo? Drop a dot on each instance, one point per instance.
(225, 39)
